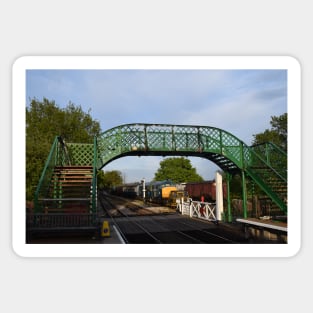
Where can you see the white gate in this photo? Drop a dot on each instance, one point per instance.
(203, 210)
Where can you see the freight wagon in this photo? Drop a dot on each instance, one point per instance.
(130, 190)
(204, 191)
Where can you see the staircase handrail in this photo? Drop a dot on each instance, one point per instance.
(262, 182)
(281, 153)
(271, 144)
(51, 159)
(65, 152)
(94, 176)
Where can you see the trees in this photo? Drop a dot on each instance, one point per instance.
(44, 121)
(109, 179)
(179, 170)
(277, 134)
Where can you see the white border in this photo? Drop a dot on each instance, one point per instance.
(156, 62)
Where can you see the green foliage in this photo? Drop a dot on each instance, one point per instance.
(236, 186)
(44, 121)
(100, 179)
(109, 179)
(179, 170)
(277, 134)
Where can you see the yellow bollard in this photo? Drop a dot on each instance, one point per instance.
(105, 230)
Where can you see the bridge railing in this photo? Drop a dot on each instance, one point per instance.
(58, 221)
(158, 138)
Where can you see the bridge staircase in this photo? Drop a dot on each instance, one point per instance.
(270, 176)
(66, 196)
(70, 190)
(268, 168)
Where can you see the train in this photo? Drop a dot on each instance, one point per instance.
(163, 192)
(130, 190)
(167, 193)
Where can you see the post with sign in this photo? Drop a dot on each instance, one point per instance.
(143, 190)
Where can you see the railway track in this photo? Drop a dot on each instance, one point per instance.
(108, 205)
(137, 224)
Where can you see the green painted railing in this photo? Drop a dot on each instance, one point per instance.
(161, 139)
(45, 178)
(273, 156)
(94, 180)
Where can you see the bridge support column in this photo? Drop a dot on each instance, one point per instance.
(228, 179)
(219, 195)
(244, 194)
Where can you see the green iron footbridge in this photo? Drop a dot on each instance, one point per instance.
(68, 181)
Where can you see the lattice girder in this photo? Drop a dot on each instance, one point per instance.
(151, 139)
(80, 154)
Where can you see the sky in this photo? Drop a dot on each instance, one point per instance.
(238, 101)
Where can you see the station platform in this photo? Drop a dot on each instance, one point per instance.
(265, 229)
(277, 225)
